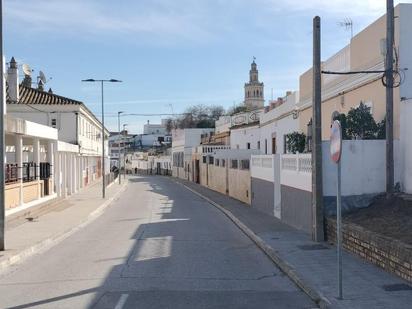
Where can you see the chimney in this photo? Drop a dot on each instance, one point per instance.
(13, 81)
(40, 86)
(26, 81)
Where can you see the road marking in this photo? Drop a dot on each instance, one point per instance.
(122, 301)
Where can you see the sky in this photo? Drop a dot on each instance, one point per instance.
(171, 54)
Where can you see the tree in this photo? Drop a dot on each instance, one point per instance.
(169, 125)
(360, 123)
(237, 109)
(295, 142)
(344, 125)
(381, 129)
(199, 116)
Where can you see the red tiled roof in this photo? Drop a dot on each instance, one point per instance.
(35, 96)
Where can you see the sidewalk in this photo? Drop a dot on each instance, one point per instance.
(63, 219)
(312, 266)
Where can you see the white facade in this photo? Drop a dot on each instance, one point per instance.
(276, 123)
(183, 142)
(150, 128)
(245, 138)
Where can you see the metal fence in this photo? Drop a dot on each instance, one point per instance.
(11, 173)
(29, 171)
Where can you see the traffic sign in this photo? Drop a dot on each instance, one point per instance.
(336, 141)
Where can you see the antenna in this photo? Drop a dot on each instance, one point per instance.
(42, 77)
(348, 24)
(26, 69)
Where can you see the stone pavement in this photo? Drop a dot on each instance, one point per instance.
(61, 220)
(364, 285)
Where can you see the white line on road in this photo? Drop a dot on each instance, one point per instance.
(122, 301)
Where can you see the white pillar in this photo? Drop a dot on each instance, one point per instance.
(50, 160)
(36, 160)
(80, 172)
(70, 173)
(64, 174)
(19, 161)
(57, 174)
(75, 173)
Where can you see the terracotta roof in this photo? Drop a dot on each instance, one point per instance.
(35, 96)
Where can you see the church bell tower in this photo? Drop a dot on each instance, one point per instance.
(254, 97)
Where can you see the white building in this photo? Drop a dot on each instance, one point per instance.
(277, 123)
(74, 122)
(183, 141)
(245, 137)
(151, 128)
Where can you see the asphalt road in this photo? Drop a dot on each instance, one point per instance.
(157, 246)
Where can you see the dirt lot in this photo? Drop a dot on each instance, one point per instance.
(390, 217)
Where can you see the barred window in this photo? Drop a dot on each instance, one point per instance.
(211, 159)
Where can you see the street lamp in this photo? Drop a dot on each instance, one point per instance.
(118, 140)
(124, 152)
(102, 81)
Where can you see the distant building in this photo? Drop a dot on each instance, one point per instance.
(254, 96)
(151, 128)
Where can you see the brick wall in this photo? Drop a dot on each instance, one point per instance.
(387, 253)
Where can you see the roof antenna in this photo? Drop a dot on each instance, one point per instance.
(348, 24)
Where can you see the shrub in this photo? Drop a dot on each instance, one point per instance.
(295, 142)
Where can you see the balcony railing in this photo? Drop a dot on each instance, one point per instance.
(11, 173)
(29, 171)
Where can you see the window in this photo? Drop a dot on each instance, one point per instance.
(204, 159)
(244, 164)
(258, 145)
(233, 164)
(266, 146)
(54, 123)
(217, 162)
(223, 162)
(211, 159)
(248, 145)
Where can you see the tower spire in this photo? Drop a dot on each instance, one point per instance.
(254, 89)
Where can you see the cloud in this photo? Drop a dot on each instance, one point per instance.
(88, 18)
(332, 7)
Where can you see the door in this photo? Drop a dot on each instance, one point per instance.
(197, 171)
(273, 145)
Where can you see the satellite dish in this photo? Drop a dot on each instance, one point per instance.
(42, 77)
(26, 69)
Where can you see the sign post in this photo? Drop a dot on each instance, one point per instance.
(336, 153)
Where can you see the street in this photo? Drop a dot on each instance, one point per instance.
(157, 246)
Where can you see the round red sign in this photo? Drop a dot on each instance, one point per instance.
(336, 141)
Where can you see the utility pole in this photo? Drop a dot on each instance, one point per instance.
(124, 151)
(2, 166)
(317, 190)
(118, 141)
(389, 96)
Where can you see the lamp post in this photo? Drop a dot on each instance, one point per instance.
(118, 140)
(124, 151)
(102, 81)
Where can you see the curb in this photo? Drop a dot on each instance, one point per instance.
(50, 242)
(285, 267)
